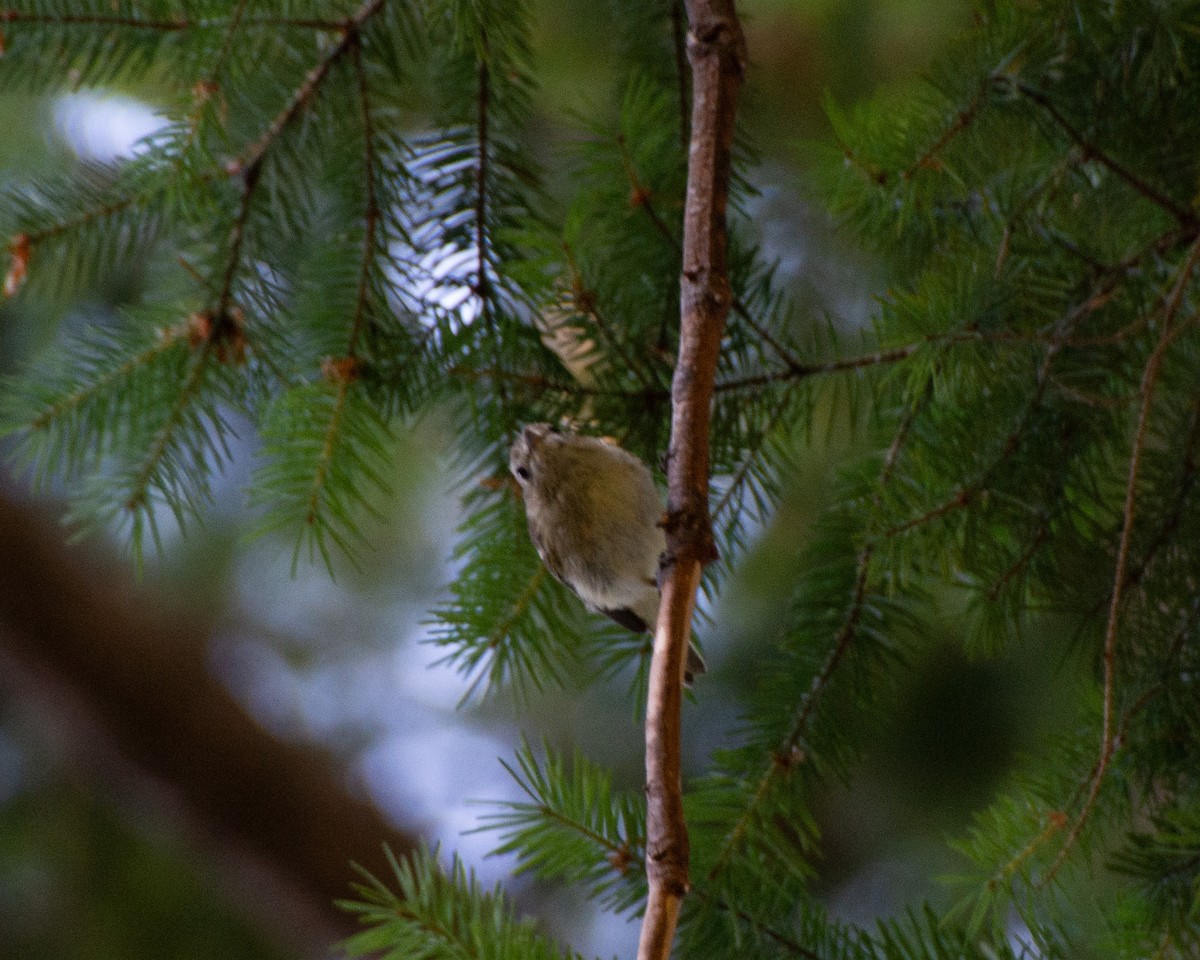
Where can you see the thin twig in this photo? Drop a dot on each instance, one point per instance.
(346, 379)
(299, 23)
(802, 371)
(1108, 744)
(139, 488)
(964, 119)
(235, 21)
(968, 492)
(645, 202)
(1093, 152)
(1174, 516)
(841, 645)
(752, 454)
(237, 236)
(482, 287)
(1055, 821)
(537, 381)
(585, 304)
(83, 219)
(792, 945)
(1043, 531)
(1147, 697)
(95, 20)
(325, 459)
(642, 195)
(308, 89)
(371, 212)
(64, 406)
(173, 25)
(1149, 384)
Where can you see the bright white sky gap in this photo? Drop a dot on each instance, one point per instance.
(103, 126)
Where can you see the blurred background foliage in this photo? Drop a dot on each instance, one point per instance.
(100, 860)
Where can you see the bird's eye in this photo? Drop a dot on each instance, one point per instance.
(523, 473)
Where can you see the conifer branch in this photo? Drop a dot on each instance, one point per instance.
(743, 471)
(325, 457)
(962, 120)
(442, 914)
(1056, 820)
(802, 371)
(622, 855)
(138, 498)
(95, 20)
(1035, 542)
(1149, 384)
(73, 401)
(482, 285)
(34, 237)
(371, 213)
(716, 50)
(1092, 152)
(877, 358)
(765, 335)
(235, 20)
(1173, 517)
(967, 493)
(643, 199)
(641, 196)
(876, 175)
(319, 24)
(537, 381)
(519, 606)
(585, 303)
(793, 946)
(345, 370)
(304, 94)
(173, 25)
(787, 375)
(117, 205)
(841, 644)
(237, 236)
(482, 129)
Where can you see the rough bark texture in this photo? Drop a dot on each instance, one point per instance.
(274, 819)
(715, 48)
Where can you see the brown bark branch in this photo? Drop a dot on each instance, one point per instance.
(716, 51)
(275, 820)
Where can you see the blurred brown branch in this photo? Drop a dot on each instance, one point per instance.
(285, 824)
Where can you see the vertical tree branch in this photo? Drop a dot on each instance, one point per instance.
(716, 50)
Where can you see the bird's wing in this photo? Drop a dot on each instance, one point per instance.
(549, 557)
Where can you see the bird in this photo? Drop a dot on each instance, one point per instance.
(594, 516)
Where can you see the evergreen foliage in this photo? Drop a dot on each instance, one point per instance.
(346, 224)
(439, 914)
